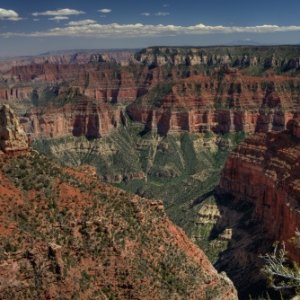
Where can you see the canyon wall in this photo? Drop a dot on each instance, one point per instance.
(85, 118)
(233, 103)
(63, 233)
(264, 170)
(286, 57)
(208, 95)
(69, 57)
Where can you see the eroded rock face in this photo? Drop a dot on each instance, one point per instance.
(208, 214)
(286, 56)
(208, 104)
(172, 90)
(83, 118)
(264, 170)
(12, 136)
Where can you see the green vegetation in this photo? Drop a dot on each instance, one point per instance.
(155, 96)
(283, 275)
(50, 95)
(177, 168)
(254, 70)
(84, 281)
(108, 230)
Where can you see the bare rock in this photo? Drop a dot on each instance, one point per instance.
(12, 136)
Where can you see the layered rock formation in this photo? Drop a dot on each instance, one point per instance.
(82, 118)
(233, 103)
(63, 100)
(220, 97)
(198, 94)
(168, 98)
(264, 170)
(12, 136)
(286, 57)
(69, 57)
(65, 234)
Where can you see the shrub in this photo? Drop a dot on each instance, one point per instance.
(281, 273)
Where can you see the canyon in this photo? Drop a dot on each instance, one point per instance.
(66, 234)
(215, 94)
(211, 131)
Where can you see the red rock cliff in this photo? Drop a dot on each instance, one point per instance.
(236, 102)
(265, 170)
(199, 94)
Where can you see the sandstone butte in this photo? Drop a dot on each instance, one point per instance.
(65, 234)
(166, 89)
(265, 170)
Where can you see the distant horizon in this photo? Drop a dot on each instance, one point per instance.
(74, 50)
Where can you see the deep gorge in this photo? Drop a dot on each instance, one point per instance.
(162, 124)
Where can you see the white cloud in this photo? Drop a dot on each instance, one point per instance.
(165, 5)
(36, 20)
(105, 10)
(162, 13)
(90, 28)
(8, 14)
(146, 14)
(59, 18)
(82, 22)
(59, 12)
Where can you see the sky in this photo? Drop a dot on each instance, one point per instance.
(29, 27)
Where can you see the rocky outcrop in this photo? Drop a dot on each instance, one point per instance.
(208, 214)
(15, 93)
(71, 236)
(12, 136)
(82, 118)
(264, 170)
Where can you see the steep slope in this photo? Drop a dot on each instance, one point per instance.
(64, 234)
(258, 202)
(177, 168)
(264, 170)
(226, 101)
